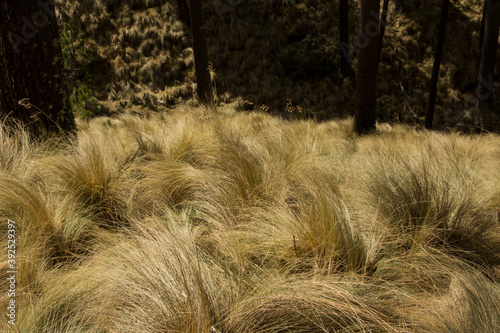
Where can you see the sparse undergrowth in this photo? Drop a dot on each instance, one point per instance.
(216, 221)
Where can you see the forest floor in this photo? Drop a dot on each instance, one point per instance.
(203, 220)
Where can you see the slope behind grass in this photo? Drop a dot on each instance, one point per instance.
(280, 54)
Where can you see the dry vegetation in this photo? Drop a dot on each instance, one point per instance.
(281, 54)
(204, 221)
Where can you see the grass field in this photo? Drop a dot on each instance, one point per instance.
(215, 221)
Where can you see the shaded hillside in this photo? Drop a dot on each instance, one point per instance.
(143, 49)
(281, 54)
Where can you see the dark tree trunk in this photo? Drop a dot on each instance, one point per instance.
(383, 23)
(32, 88)
(345, 59)
(484, 92)
(200, 53)
(481, 32)
(183, 12)
(366, 73)
(437, 64)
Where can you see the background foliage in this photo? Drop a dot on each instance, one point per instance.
(268, 52)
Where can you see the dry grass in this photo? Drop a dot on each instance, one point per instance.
(216, 221)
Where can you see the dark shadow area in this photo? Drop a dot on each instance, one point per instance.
(407, 59)
(280, 55)
(270, 54)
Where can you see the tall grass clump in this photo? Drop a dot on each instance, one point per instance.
(93, 173)
(325, 231)
(431, 198)
(175, 185)
(158, 278)
(37, 236)
(50, 230)
(473, 305)
(181, 286)
(16, 150)
(240, 161)
(302, 304)
(71, 300)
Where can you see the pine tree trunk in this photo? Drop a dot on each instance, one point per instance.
(366, 72)
(32, 87)
(200, 53)
(345, 60)
(183, 12)
(481, 32)
(383, 23)
(484, 92)
(437, 64)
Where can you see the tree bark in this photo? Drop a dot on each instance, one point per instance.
(383, 23)
(32, 87)
(484, 92)
(481, 32)
(183, 12)
(437, 64)
(366, 73)
(345, 59)
(200, 54)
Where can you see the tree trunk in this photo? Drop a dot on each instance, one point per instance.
(183, 12)
(484, 92)
(437, 64)
(366, 73)
(383, 23)
(32, 88)
(345, 59)
(481, 32)
(200, 53)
